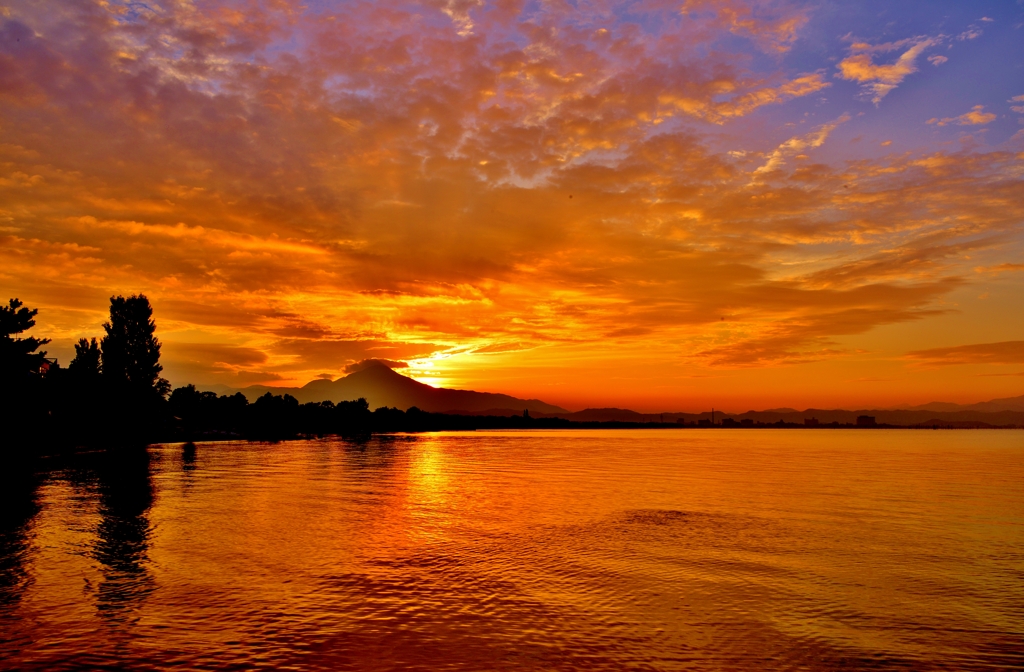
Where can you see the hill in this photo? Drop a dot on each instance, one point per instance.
(381, 386)
(904, 418)
(993, 406)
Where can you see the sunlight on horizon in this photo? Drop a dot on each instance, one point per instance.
(655, 206)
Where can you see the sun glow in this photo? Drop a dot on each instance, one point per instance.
(604, 207)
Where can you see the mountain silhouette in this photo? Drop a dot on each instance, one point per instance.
(993, 406)
(381, 386)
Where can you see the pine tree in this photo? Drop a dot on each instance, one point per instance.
(18, 356)
(130, 350)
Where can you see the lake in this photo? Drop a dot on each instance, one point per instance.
(548, 550)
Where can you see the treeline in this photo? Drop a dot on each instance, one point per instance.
(204, 415)
(112, 394)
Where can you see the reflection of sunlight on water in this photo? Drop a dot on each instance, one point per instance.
(597, 550)
(429, 491)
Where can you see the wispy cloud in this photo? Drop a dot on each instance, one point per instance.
(973, 32)
(976, 117)
(1000, 268)
(796, 145)
(774, 30)
(880, 79)
(1006, 352)
(302, 188)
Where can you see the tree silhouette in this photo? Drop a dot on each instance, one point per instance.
(130, 349)
(18, 356)
(86, 364)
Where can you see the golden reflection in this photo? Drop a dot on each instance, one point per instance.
(616, 546)
(429, 493)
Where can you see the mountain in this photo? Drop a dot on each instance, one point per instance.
(381, 386)
(902, 417)
(993, 406)
(610, 415)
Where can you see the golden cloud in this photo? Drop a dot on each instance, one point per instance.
(775, 34)
(796, 145)
(879, 79)
(976, 117)
(1007, 352)
(497, 181)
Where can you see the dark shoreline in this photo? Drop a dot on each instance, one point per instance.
(422, 422)
(56, 414)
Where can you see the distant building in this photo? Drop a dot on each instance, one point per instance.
(46, 365)
(866, 421)
(729, 422)
(747, 422)
(704, 423)
(810, 422)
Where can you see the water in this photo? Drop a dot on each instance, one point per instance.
(559, 550)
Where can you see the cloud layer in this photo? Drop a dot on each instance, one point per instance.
(452, 184)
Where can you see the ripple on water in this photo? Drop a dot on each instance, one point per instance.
(551, 551)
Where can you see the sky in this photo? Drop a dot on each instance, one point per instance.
(664, 206)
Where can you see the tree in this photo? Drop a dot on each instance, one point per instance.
(18, 356)
(130, 350)
(86, 364)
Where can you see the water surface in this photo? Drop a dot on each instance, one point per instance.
(548, 550)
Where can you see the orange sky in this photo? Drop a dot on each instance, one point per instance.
(662, 206)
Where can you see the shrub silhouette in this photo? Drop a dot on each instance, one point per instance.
(86, 365)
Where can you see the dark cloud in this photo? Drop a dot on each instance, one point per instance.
(216, 353)
(359, 366)
(1006, 352)
(330, 184)
(338, 354)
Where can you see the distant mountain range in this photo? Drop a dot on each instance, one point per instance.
(904, 417)
(381, 386)
(1004, 404)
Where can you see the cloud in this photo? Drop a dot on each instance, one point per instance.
(879, 79)
(1006, 352)
(459, 12)
(972, 32)
(774, 34)
(299, 191)
(937, 59)
(976, 117)
(306, 354)
(362, 364)
(218, 353)
(999, 268)
(796, 145)
(206, 363)
(1019, 109)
